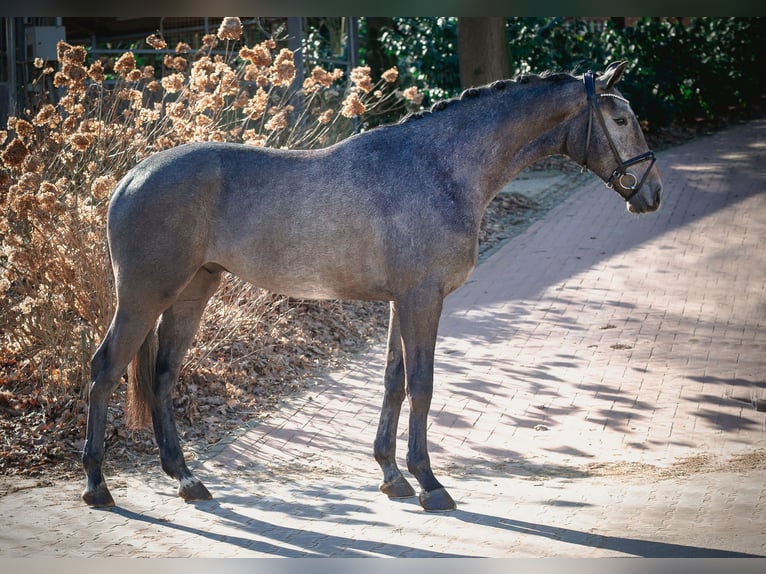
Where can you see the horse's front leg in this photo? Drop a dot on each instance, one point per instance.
(419, 321)
(394, 484)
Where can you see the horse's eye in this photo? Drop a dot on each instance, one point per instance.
(620, 121)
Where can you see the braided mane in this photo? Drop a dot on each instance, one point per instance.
(489, 89)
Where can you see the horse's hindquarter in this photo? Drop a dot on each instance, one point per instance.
(158, 222)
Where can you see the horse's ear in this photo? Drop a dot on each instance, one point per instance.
(612, 74)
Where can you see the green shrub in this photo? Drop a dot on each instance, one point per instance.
(678, 71)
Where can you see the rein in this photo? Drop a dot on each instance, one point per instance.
(627, 180)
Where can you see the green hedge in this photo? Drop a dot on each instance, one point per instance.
(679, 70)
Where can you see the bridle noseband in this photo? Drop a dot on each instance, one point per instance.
(621, 173)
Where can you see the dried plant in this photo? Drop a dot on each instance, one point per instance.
(61, 160)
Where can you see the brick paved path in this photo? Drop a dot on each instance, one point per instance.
(584, 407)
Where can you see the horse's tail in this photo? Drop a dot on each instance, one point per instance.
(141, 377)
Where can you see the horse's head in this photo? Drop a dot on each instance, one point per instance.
(614, 145)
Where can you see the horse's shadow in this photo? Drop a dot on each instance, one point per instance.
(629, 546)
(278, 540)
(282, 541)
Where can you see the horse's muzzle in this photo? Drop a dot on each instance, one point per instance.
(647, 199)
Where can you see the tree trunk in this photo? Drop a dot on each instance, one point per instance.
(482, 50)
(375, 56)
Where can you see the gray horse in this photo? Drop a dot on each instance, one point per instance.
(390, 214)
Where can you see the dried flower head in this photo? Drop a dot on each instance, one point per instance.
(60, 80)
(48, 199)
(413, 95)
(76, 55)
(75, 72)
(94, 126)
(29, 182)
(209, 40)
(14, 153)
(361, 78)
(230, 29)
(252, 137)
(252, 73)
(260, 54)
(96, 71)
(102, 186)
(241, 100)
(61, 49)
(173, 83)
(146, 115)
(283, 70)
(32, 164)
(178, 63)
(279, 120)
(156, 41)
(49, 187)
(390, 75)
(322, 76)
(125, 64)
(23, 128)
(81, 141)
(310, 86)
(207, 102)
(203, 74)
(326, 117)
(228, 85)
(5, 180)
(135, 97)
(71, 105)
(352, 106)
(176, 109)
(257, 104)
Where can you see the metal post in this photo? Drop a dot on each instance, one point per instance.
(295, 45)
(353, 42)
(10, 53)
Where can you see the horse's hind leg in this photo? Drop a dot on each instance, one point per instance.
(176, 332)
(394, 484)
(419, 315)
(128, 329)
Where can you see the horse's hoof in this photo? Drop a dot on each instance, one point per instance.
(99, 497)
(397, 488)
(192, 490)
(437, 500)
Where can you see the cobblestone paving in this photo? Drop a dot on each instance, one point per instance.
(595, 380)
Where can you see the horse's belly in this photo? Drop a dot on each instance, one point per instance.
(315, 281)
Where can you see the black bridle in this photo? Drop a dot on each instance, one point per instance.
(621, 175)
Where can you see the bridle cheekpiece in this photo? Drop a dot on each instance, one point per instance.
(627, 180)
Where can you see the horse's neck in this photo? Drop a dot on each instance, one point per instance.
(552, 142)
(521, 133)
